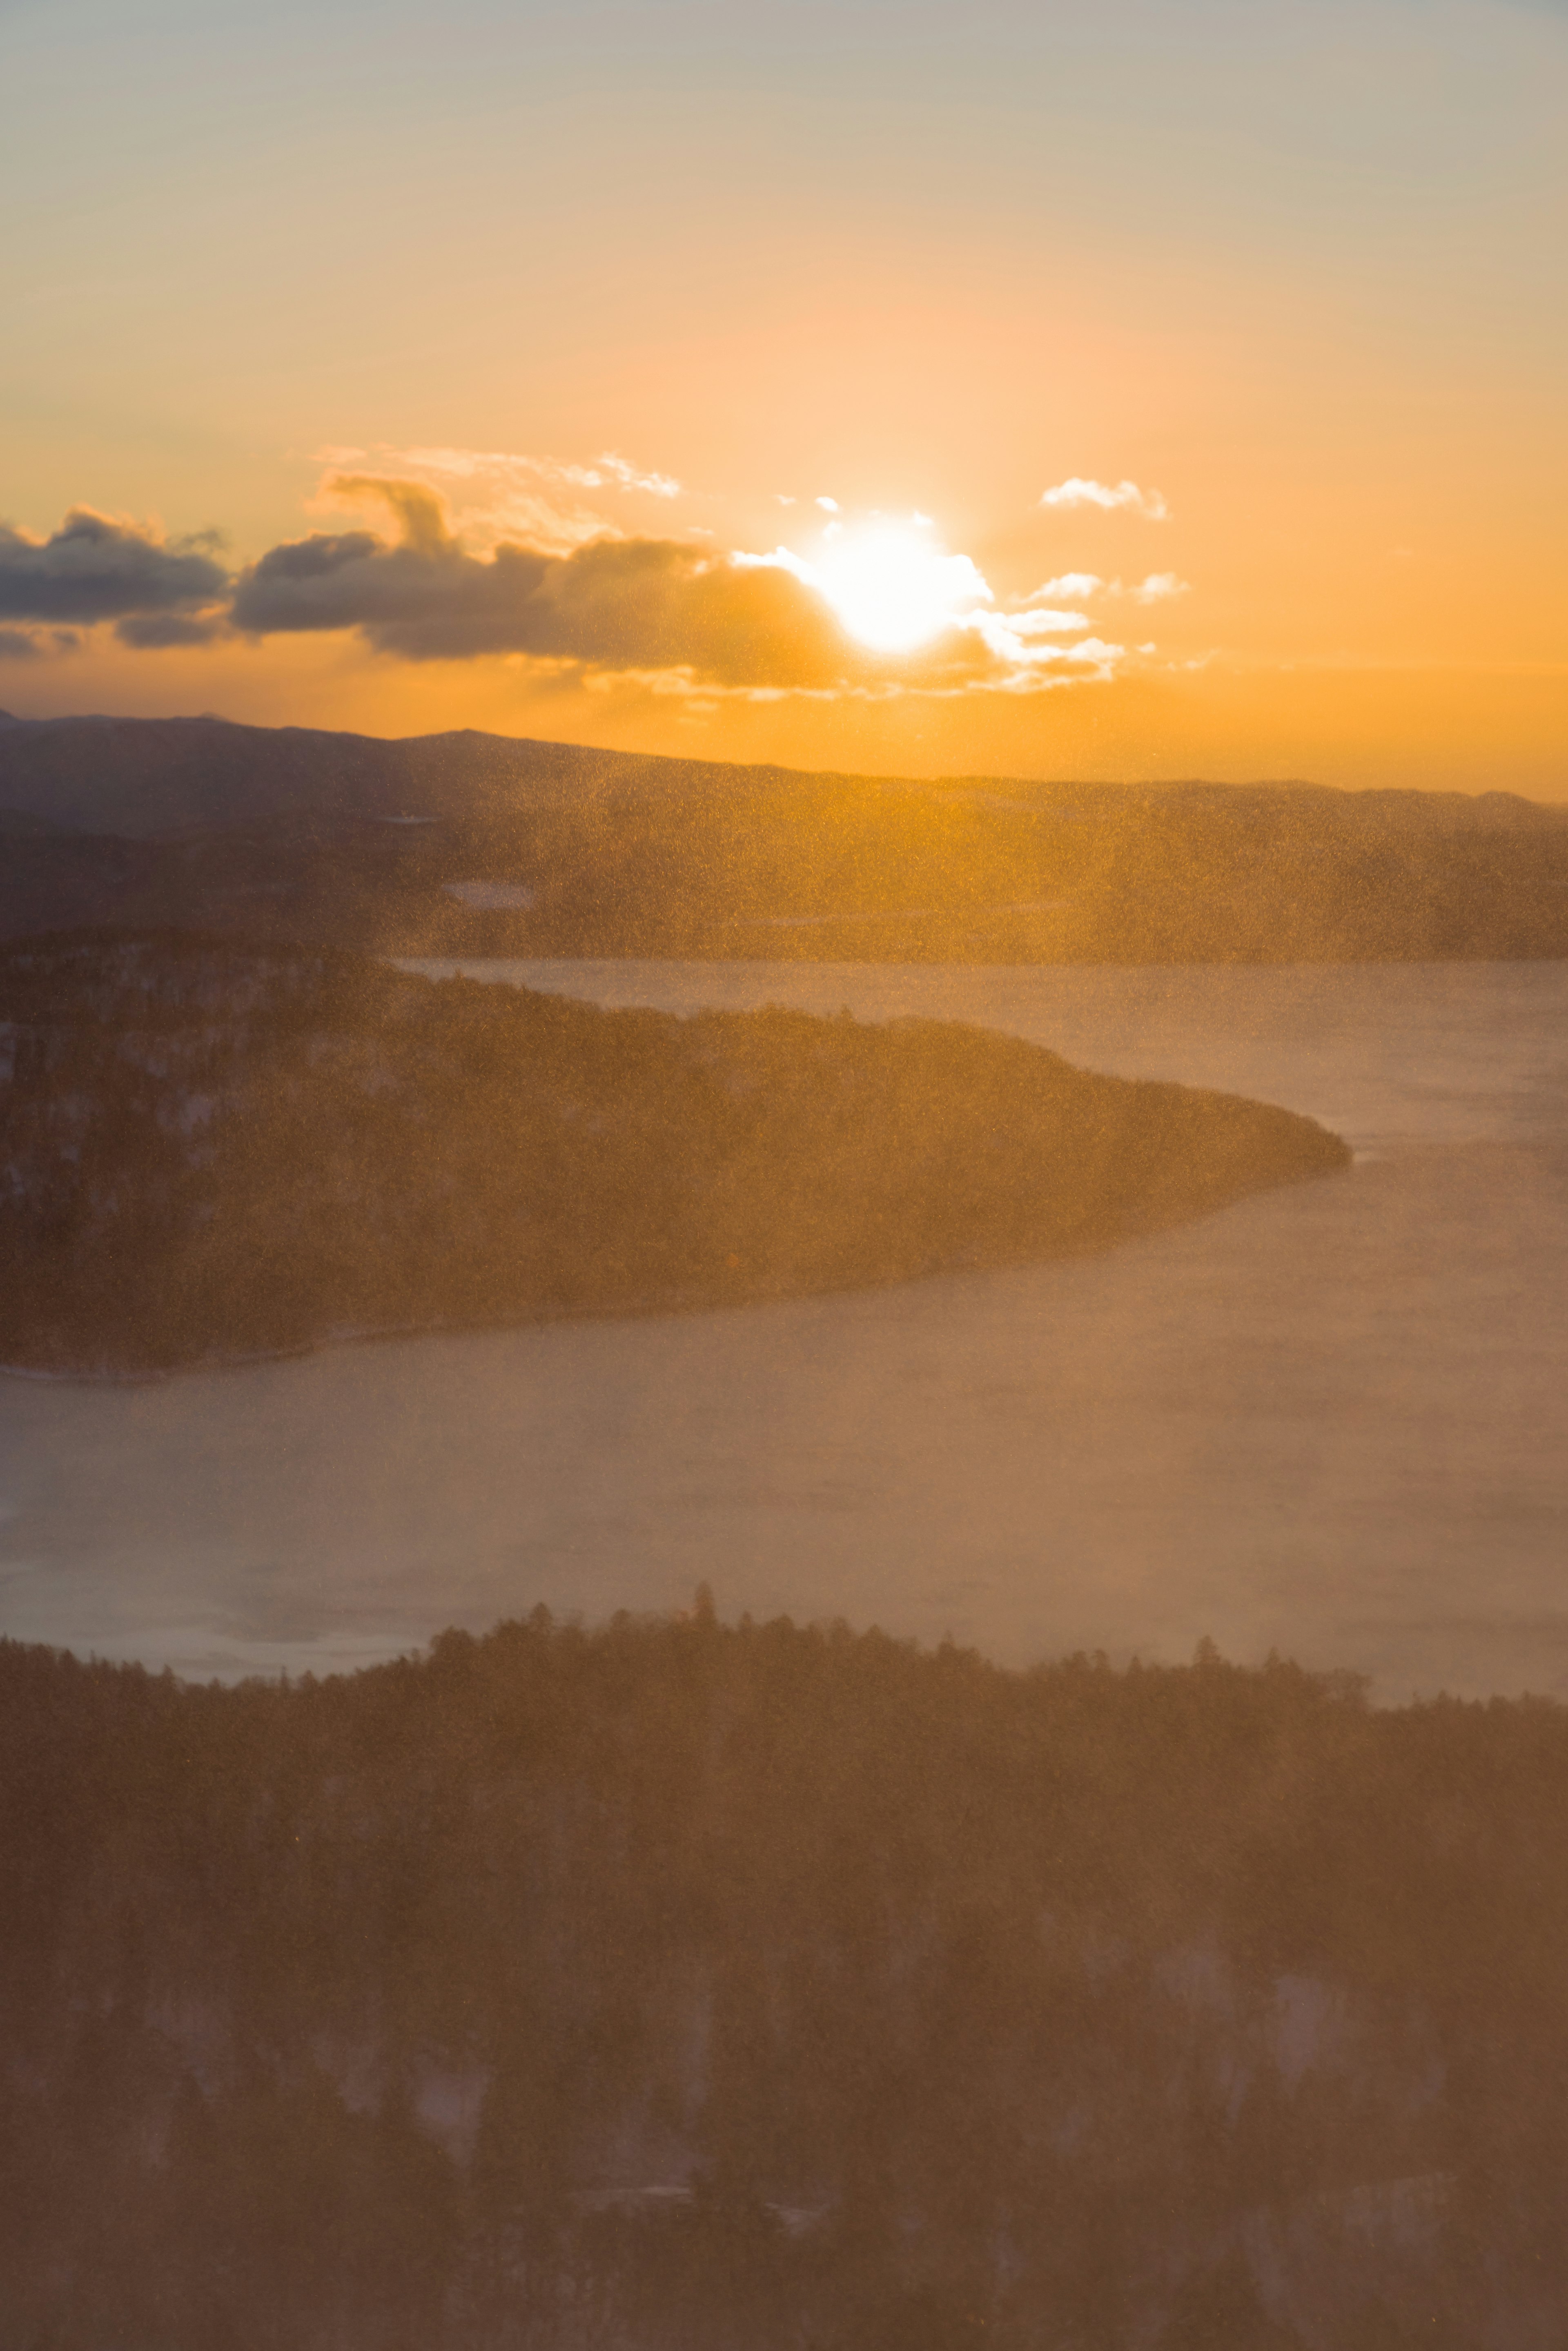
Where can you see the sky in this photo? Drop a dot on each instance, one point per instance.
(1168, 388)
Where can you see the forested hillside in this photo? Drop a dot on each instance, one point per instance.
(209, 1150)
(479, 844)
(674, 1986)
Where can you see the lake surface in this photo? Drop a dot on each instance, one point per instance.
(1331, 1420)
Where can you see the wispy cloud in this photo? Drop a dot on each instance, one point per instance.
(657, 485)
(606, 472)
(421, 513)
(500, 494)
(1070, 586)
(1160, 586)
(1043, 621)
(1110, 498)
(1075, 586)
(39, 644)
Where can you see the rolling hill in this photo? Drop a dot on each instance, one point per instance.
(474, 844)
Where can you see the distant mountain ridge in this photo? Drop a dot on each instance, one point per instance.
(324, 837)
(141, 777)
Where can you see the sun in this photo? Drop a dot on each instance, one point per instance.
(891, 586)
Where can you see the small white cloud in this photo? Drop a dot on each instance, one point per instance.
(1088, 649)
(1011, 637)
(783, 558)
(1072, 585)
(782, 499)
(1026, 661)
(921, 522)
(1158, 586)
(1046, 622)
(829, 506)
(1076, 492)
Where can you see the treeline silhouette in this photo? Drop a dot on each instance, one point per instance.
(674, 1986)
(215, 1150)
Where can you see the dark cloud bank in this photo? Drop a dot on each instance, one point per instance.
(613, 604)
(96, 569)
(618, 604)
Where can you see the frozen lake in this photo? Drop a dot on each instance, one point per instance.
(1331, 1420)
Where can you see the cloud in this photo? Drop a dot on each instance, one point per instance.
(420, 515)
(37, 645)
(883, 610)
(98, 568)
(1009, 639)
(502, 493)
(607, 472)
(617, 604)
(671, 615)
(658, 486)
(1073, 586)
(1044, 621)
(1158, 587)
(158, 631)
(1076, 492)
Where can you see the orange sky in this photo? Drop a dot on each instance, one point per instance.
(1245, 321)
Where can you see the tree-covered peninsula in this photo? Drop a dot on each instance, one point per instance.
(211, 1150)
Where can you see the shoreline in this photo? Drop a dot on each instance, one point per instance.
(677, 1305)
(1326, 1424)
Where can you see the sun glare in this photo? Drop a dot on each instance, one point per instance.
(891, 588)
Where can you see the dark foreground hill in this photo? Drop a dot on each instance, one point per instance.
(213, 1151)
(674, 1987)
(480, 844)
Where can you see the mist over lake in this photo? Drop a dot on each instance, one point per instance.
(1329, 1419)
